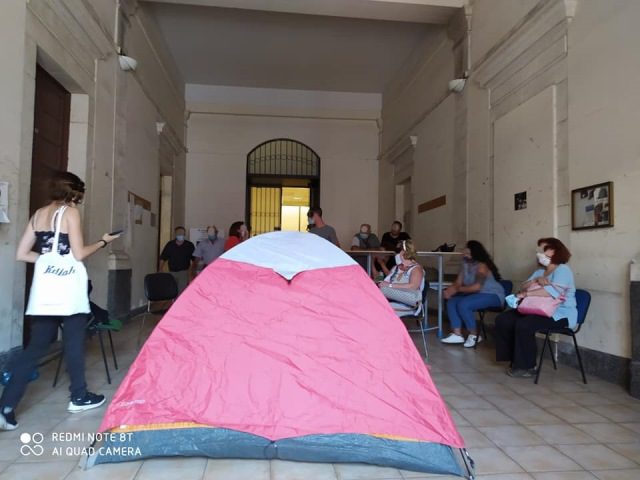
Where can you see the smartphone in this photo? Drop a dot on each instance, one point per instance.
(117, 232)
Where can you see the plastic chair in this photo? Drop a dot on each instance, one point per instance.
(583, 300)
(407, 313)
(507, 285)
(158, 287)
(97, 325)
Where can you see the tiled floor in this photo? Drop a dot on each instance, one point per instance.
(557, 430)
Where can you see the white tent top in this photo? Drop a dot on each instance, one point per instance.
(289, 253)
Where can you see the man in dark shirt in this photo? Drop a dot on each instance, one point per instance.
(392, 241)
(179, 254)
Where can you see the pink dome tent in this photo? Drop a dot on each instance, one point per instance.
(282, 348)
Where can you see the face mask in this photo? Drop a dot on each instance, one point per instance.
(399, 260)
(543, 259)
(311, 221)
(213, 237)
(180, 238)
(364, 235)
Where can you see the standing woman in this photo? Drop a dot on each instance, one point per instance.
(66, 192)
(237, 233)
(475, 288)
(515, 332)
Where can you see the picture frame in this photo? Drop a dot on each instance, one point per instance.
(592, 207)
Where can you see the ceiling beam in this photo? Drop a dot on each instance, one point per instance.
(419, 11)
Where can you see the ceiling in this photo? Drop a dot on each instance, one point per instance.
(250, 47)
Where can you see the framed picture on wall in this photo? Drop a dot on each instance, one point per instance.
(592, 207)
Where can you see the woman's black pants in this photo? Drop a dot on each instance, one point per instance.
(516, 337)
(44, 330)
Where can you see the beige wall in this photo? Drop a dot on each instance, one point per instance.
(539, 114)
(112, 131)
(216, 166)
(604, 145)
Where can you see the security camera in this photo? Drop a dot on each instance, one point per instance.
(457, 85)
(127, 64)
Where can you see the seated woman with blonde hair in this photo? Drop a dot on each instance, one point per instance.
(406, 281)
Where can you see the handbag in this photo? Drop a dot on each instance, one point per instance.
(60, 282)
(543, 306)
(402, 295)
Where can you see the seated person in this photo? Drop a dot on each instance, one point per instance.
(405, 283)
(515, 332)
(476, 288)
(391, 242)
(365, 240)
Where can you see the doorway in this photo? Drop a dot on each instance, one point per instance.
(283, 181)
(50, 150)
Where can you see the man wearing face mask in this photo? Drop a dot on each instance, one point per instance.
(208, 249)
(318, 227)
(365, 240)
(178, 253)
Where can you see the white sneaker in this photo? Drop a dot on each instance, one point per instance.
(453, 338)
(472, 340)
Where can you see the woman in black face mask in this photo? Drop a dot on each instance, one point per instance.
(476, 288)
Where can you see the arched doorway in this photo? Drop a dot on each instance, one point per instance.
(283, 181)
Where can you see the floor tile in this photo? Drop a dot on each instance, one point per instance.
(633, 474)
(545, 400)
(237, 470)
(365, 472)
(281, 470)
(562, 434)
(629, 450)
(474, 438)
(473, 401)
(609, 432)
(596, 457)
(580, 475)
(511, 435)
(489, 389)
(492, 461)
(112, 471)
(577, 415)
(486, 418)
(531, 415)
(172, 468)
(541, 459)
(38, 471)
(504, 476)
(617, 413)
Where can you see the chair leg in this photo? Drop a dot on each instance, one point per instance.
(553, 357)
(423, 326)
(104, 357)
(575, 344)
(55, 379)
(480, 328)
(144, 317)
(113, 351)
(544, 346)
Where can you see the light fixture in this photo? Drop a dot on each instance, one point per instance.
(457, 84)
(127, 64)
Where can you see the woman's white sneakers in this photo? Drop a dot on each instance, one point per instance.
(455, 339)
(472, 340)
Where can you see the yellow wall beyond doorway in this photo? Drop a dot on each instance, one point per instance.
(295, 203)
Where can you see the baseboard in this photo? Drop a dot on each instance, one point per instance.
(598, 364)
(604, 366)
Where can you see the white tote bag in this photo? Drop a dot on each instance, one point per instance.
(60, 282)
